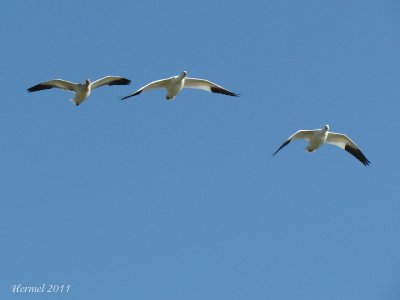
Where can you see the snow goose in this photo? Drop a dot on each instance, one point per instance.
(175, 84)
(81, 90)
(317, 137)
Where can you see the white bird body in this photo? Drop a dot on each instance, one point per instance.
(317, 137)
(81, 90)
(175, 84)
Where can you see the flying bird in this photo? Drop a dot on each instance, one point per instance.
(317, 137)
(175, 84)
(81, 90)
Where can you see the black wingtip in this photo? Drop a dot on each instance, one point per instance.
(131, 95)
(223, 91)
(283, 145)
(366, 162)
(125, 81)
(121, 81)
(273, 154)
(39, 87)
(357, 154)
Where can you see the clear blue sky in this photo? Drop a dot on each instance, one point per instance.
(154, 199)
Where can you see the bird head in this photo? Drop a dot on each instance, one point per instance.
(326, 127)
(87, 81)
(184, 74)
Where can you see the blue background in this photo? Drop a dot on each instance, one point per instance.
(155, 199)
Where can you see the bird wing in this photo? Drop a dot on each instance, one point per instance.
(55, 83)
(202, 84)
(110, 80)
(162, 83)
(344, 142)
(301, 134)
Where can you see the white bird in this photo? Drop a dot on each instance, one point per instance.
(317, 137)
(175, 84)
(81, 90)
